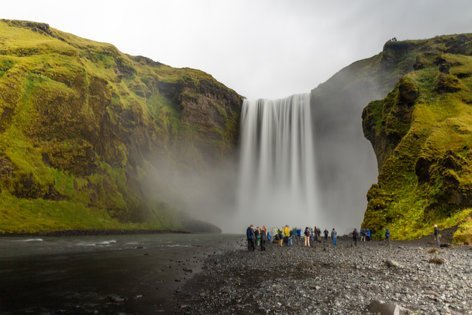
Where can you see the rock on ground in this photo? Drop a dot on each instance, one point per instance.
(344, 280)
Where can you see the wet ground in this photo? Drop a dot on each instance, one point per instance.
(109, 274)
(415, 277)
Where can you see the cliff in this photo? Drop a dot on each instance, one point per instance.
(421, 134)
(346, 164)
(82, 124)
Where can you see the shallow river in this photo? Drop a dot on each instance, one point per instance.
(133, 274)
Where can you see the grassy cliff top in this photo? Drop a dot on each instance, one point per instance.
(422, 135)
(82, 125)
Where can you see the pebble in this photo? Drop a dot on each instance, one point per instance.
(345, 280)
(116, 298)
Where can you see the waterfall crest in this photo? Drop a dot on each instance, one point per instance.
(277, 164)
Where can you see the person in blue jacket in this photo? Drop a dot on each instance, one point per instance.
(387, 236)
(251, 246)
(334, 237)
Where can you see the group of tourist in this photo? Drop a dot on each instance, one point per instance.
(258, 236)
(365, 235)
(286, 236)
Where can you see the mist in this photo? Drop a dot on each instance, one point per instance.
(345, 161)
(202, 189)
(263, 183)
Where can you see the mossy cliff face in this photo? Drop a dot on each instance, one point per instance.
(422, 136)
(82, 123)
(345, 160)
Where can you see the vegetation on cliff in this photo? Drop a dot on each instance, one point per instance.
(81, 125)
(422, 135)
(344, 157)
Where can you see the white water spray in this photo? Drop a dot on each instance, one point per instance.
(277, 163)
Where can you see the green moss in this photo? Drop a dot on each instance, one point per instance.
(5, 65)
(463, 234)
(421, 133)
(165, 114)
(80, 123)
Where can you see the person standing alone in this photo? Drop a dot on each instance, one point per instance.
(437, 235)
(387, 236)
(355, 235)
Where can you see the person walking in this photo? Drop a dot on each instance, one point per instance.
(355, 235)
(263, 238)
(307, 236)
(334, 236)
(437, 236)
(250, 238)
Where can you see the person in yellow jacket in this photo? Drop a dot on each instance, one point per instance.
(286, 234)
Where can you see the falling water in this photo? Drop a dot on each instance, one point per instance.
(277, 167)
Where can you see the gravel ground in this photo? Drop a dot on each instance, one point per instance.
(341, 280)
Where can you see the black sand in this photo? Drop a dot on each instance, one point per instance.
(128, 274)
(215, 274)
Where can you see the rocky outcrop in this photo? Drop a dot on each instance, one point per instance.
(82, 124)
(345, 161)
(421, 135)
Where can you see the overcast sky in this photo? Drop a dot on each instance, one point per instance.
(260, 48)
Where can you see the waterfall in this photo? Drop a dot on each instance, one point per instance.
(277, 183)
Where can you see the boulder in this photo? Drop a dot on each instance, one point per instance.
(437, 260)
(383, 308)
(393, 264)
